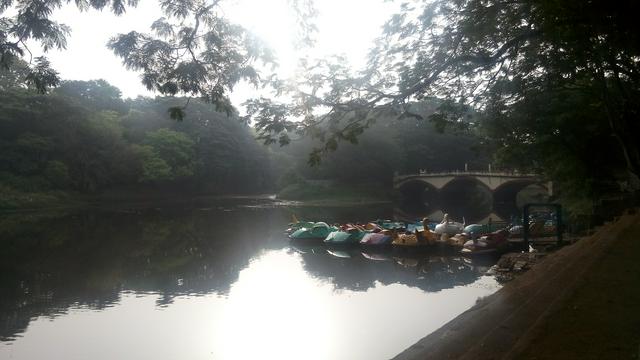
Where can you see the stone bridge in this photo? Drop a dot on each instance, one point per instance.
(471, 193)
(493, 181)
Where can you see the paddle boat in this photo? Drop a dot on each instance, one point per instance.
(421, 225)
(476, 229)
(537, 228)
(421, 237)
(413, 227)
(493, 243)
(516, 231)
(377, 238)
(296, 224)
(415, 241)
(317, 232)
(299, 225)
(391, 225)
(455, 241)
(348, 235)
(449, 227)
(373, 227)
(406, 239)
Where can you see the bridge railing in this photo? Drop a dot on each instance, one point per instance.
(467, 173)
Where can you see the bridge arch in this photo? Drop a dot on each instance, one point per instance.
(466, 179)
(508, 197)
(455, 191)
(466, 196)
(414, 182)
(418, 191)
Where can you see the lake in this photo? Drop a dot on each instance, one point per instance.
(218, 281)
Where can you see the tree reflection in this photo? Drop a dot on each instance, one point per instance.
(50, 263)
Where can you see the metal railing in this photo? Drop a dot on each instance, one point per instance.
(559, 226)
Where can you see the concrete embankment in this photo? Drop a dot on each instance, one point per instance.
(524, 320)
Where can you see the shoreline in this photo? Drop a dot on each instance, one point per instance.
(193, 201)
(505, 324)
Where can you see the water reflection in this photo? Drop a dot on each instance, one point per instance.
(219, 283)
(51, 263)
(359, 269)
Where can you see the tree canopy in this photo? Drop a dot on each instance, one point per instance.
(556, 85)
(193, 50)
(546, 77)
(84, 138)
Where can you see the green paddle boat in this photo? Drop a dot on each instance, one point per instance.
(317, 232)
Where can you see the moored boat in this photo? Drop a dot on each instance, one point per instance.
(455, 241)
(298, 225)
(475, 229)
(406, 239)
(493, 243)
(318, 232)
(376, 239)
(411, 242)
(348, 235)
(413, 227)
(449, 227)
(391, 225)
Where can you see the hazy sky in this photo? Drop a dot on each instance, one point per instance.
(345, 27)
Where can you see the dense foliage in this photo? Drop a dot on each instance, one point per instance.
(84, 138)
(556, 83)
(391, 145)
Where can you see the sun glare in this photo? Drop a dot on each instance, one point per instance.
(345, 28)
(273, 22)
(259, 309)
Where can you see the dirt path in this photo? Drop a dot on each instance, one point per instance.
(580, 302)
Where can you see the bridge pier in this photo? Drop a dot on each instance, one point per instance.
(464, 190)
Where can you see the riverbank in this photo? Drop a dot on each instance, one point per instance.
(580, 302)
(16, 201)
(62, 201)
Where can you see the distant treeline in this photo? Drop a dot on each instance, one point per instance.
(83, 138)
(403, 145)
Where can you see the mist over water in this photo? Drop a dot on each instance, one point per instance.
(220, 281)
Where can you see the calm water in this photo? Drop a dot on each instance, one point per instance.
(219, 282)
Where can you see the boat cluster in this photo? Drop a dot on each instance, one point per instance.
(424, 234)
